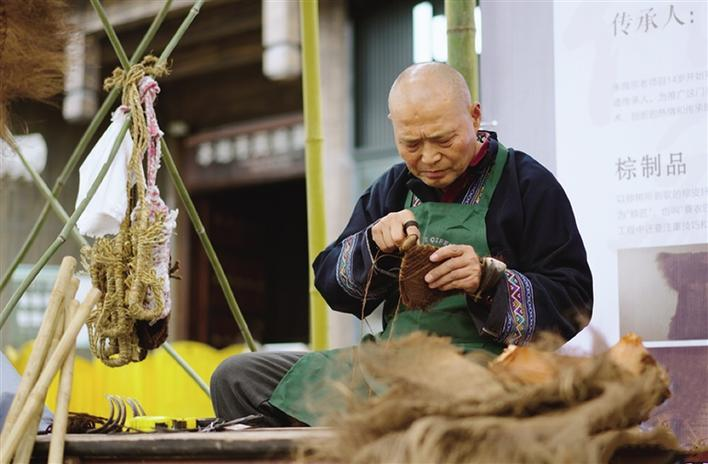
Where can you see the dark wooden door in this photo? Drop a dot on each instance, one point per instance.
(260, 235)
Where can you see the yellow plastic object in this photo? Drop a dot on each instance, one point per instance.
(150, 423)
(160, 384)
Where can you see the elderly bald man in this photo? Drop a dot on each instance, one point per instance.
(461, 190)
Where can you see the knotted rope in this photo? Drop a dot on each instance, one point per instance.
(132, 268)
(130, 81)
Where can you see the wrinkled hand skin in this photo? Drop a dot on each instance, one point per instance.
(388, 233)
(459, 269)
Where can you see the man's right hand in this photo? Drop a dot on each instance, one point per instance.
(388, 233)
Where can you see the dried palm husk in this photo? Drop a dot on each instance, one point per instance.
(33, 34)
(527, 405)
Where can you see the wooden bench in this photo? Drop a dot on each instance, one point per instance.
(252, 445)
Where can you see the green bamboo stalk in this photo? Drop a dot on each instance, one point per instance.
(184, 195)
(169, 48)
(182, 190)
(316, 236)
(82, 145)
(461, 53)
(123, 59)
(193, 12)
(46, 193)
(61, 238)
(187, 368)
(206, 244)
(111, 33)
(70, 221)
(82, 242)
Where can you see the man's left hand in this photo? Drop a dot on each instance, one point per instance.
(460, 269)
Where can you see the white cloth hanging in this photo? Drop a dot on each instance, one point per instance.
(107, 208)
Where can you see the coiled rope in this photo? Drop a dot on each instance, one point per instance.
(132, 268)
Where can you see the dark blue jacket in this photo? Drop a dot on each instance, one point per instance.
(530, 226)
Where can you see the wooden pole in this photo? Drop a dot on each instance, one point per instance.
(316, 225)
(35, 400)
(461, 53)
(61, 412)
(41, 344)
(24, 450)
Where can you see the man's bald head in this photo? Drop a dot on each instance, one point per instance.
(428, 82)
(434, 122)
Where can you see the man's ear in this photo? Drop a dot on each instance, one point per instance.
(389, 116)
(476, 113)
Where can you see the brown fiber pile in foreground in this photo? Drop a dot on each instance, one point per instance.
(526, 406)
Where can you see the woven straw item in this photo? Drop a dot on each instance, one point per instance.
(414, 290)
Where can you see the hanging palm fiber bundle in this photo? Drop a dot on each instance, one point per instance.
(33, 35)
(132, 268)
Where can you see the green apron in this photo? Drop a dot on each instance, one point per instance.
(307, 391)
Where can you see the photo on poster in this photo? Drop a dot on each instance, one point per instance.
(686, 411)
(663, 292)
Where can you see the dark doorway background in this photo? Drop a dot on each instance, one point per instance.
(260, 235)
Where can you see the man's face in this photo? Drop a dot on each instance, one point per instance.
(436, 139)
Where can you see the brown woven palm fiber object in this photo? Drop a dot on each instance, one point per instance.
(414, 290)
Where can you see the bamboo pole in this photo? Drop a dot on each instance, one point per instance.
(61, 412)
(24, 450)
(317, 239)
(461, 53)
(187, 201)
(110, 33)
(81, 147)
(187, 368)
(206, 244)
(188, 20)
(7, 310)
(82, 242)
(61, 238)
(35, 400)
(41, 344)
(47, 194)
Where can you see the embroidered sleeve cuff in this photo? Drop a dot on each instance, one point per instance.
(510, 318)
(345, 272)
(354, 266)
(520, 315)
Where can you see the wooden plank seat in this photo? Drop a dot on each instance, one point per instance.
(252, 445)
